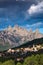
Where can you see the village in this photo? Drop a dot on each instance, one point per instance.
(20, 53)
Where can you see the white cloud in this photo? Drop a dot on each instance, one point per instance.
(20, 0)
(34, 25)
(35, 8)
(31, 0)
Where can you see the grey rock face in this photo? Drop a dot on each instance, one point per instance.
(16, 36)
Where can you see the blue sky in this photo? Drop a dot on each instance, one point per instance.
(25, 13)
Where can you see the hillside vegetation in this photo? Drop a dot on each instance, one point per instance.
(30, 60)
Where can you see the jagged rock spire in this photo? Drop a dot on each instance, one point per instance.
(37, 31)
(9, 28)
(15, 27)
(30, 31)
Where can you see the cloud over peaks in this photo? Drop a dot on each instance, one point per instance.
(36, 8)
(35, 24)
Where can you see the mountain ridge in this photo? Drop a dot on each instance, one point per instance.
(16, 36)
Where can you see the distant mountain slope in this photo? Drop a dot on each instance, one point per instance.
(16, 36)
(33, 42)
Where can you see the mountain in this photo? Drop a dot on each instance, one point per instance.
(16, 36)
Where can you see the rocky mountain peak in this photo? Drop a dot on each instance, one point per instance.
(15, 36)
(16, 27)
(30, 31)
(9, 28)
(37, 31)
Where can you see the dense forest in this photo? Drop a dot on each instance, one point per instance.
(30, 60)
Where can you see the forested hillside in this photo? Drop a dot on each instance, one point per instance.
(30, 60)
